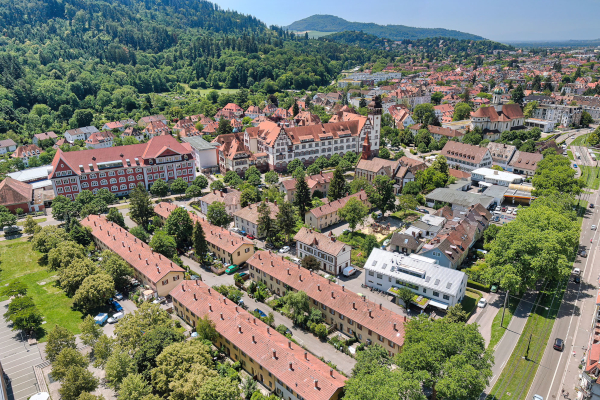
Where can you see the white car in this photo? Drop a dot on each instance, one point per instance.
(350, 270)
(284, 249)
(482, 303)
(593, 227)
(118, 296)
(515, 212)
(576, 271)
(116, 317)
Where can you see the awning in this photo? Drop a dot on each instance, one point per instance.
(438, 304)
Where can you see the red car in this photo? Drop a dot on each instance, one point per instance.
(250, 237)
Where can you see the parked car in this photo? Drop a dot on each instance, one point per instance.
(574, 165)
(424, 211)
(260, 312)
(537, 397)
(349, 270)
(503, 209)
(195, 277)
(386, 242)
(515, 212)
(577, 279)
(159, 300)
(594, 227)
(118, 296)
(284, 249)
(117, 306)
(296, 260)
(101, 318)
(498, 208)
(591, 205)
(559, 344)
(116, 317)
(576, 271)
(231, 269)
(494, 288)
(250, 237)
(482, 303)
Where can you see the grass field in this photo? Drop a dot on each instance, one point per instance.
(590, 176)
(38, 220)
(497, 331)
(520, 370)
(19, 262)
(469, 302)
(204, 92)
(579, 141)
(570, 155)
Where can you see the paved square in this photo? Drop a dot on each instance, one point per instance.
(18, 360)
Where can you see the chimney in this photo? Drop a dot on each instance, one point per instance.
(158, 269)
(288, 270)
(405, 318)
(291, 367)
(209, 306)
(306, 355)
(195, 298)
(316, 383)
(147, 263)
(225, 300)
(268, 330)
(140, 256)
(274, 353)
(182, 287)
(253, 338)
(370, 316)
(239, 328)
(395, 328)
(254, 320)
(222, 318)
(319, 288)
(381, 306)
(300, 277)
(129, 247)
(208, 290)
(353, 305)
(343, 288)
(331, 372)
(332, 296)
(290, 344)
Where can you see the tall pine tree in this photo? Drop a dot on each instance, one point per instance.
(302, 200)
(140, 206)
(338, 187)
(200, 245)
(266, 226)
(286, 219)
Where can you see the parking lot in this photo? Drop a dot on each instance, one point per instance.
(18, 359)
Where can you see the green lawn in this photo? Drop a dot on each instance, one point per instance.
(580, 141)
(570, 154)
(204, 92)
(497, 331)
(591, 176)
(19, 262)
(469, 302)
(518, 374)
(405, 214)
(38, 220)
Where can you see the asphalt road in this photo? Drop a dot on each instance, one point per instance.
(559, 370)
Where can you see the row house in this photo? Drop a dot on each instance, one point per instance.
(225, 245)
(346, 311)
(184, 123)
(232, 155)
(525, 163)
(281, 366)
(439, 132)
(8, 145)
(246, 219)
(254, 112)
(132, 131)
(150, 268)
(120, 125)
(156, 128)
(501, 153)
(269, 109)
(100, 140)
(589, 104)
(333, 256)
(319, 182)
(466, 156)
(401, 116)
(120, 169)
(38, 137)
(327, 214)
(15, 194)
(304, 118)
(230, 197)
(26, 152)
(440, 287)
(80, 133)
(401, 171)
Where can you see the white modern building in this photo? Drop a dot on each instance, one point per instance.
(205, 153)
(494, 177)
(441, 287)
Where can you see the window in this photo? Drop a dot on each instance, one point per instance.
(140, 177)
(122, 179)
(121, 172)
(132, 186)
(84, 177)
(371, 273)
(123, 187)
(67, 188)
(113, 180)
(166, 281)
(94, 183)
(114, 189)
(111, 173)
(59, 190)
(175, 278)
(446, 297)
(84, 184)
(102, 174)
(131, 178)
(436, 294)
(93, 176)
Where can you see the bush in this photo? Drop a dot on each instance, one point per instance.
(321, 331)
(479, 286)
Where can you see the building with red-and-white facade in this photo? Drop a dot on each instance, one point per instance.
(120, 169)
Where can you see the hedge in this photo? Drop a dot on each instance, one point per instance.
(477, 285)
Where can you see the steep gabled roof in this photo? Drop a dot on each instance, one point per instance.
(13, 191)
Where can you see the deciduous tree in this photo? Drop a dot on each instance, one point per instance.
(159, 188)
(118, 366)
(217, 214)
(114, 215)
(354, 212)
(286, 219)
(180, 226)
(59, 338)
(72, 276)
(66, 359)
(94, 291)
(199, 241)
(90, 331)
(338, 188)
(140, 206)
(164, 244)
(76, 381)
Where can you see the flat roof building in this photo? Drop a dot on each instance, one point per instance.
(458, 199)
(442, 287)
(500, 178)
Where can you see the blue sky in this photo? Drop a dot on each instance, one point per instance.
(514, 20)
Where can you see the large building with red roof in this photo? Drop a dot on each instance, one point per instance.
(280, 365)
(120, 169)
(150, 268)
(349, 312)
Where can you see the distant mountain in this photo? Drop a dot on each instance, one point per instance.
(556, 43)
(331, 23)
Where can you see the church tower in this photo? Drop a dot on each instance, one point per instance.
(366, 149)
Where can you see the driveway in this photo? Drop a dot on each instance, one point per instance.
(485, 316)
(18, 359)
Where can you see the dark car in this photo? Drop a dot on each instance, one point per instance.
(117, 306)
(577, 278)
(559, 344)
(591, 205)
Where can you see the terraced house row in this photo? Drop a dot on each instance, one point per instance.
(350, 313)
(149, 267)
(224, 244)
(272, 359)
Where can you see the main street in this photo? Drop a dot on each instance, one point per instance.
(559, 370)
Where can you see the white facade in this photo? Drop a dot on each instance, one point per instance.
(332, 263)
(444, 287)
(500, 178)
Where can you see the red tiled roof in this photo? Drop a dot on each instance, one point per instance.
(320, 241)
(155, 147)
(13, 191)
(362, 311)
(46, 135)
(136, 253)
(215, 235)
(28, 150)
(312, 180)
(333, 206)
(270, 349)
(464, 151)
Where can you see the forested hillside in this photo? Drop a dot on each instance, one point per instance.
(331, 23)
(65, 62)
